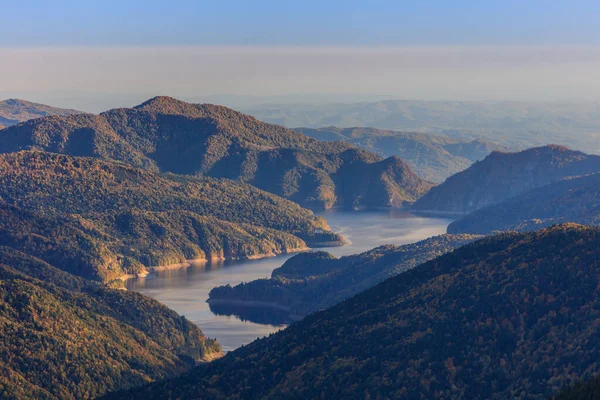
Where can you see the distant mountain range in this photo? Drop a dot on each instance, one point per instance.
(314, 281)
(501, 176)
(517, 125)
(509, 316)
(13, 111)
(164, 134)
(432, 157)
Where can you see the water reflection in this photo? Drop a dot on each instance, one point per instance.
(258, 314)
(186, 289)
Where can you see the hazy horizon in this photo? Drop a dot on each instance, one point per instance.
(98, 55)
(94, 77)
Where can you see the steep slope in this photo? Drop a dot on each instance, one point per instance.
(207, 140)
(501, 176)
(110, 219)
(66, 338)
(13, 111)
(310, 282)
(568, 200)
(432, 157)
(510, 316)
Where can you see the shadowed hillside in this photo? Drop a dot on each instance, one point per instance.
(206, 140)
(569, 200)
(501, 176)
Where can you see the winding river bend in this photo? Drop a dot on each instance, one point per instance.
(185, 290)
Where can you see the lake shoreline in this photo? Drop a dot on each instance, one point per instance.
(187, 292)
(187, 263)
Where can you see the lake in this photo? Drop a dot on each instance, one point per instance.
(185, 290)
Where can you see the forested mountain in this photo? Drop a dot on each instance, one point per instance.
(206, 140)
(501, 176)
(509, 316)
(108, 219)
(512, 123)
(432, 157)
(13, 111)
(64, 337)
(569, 200)
(309, 282)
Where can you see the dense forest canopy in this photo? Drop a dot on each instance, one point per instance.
(65, 337)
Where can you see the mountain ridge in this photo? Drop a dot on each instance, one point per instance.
(572, 199)
(169, 135)
(502, 175)
(14, 111)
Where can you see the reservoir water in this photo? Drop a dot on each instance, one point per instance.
(185, 290)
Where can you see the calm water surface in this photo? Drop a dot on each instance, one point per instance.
(185, 290)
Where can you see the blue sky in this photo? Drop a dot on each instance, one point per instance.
(307, 22)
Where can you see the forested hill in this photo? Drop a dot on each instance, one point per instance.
(64, 337)
(207, 140)
(568, 200)
(433, 157)
(313, 281)
(509, 316)
(501, 176)
(13, 111)
(108, 219)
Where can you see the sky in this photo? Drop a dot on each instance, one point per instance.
(306, 22)
(101, 53)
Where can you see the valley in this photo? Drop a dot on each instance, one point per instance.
(309, 200)
(203, 235)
